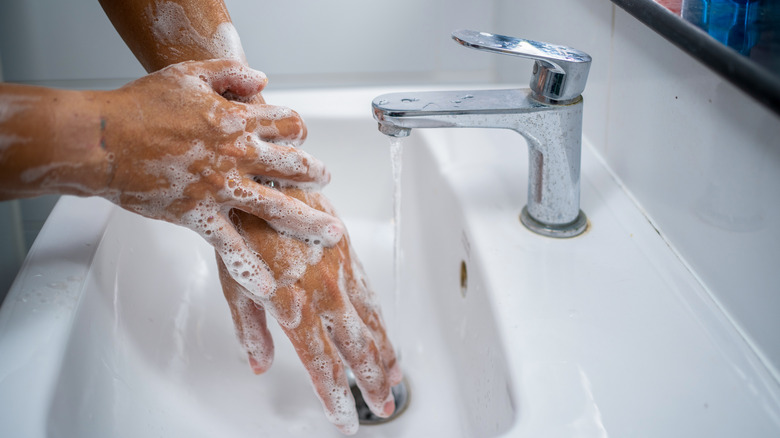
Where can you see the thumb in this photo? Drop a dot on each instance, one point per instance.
(232, 79)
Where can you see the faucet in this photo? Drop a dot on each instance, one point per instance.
(548, 116)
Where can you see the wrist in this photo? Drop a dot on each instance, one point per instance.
(79, 141)
(50, 143)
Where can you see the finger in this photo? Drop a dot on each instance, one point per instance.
(249, 321)
(321, 360)
(228, 77)
(285, 162)
(276, 124)
(360, 352)
(244, 265)
(257, 99)
(366, 304)
(285, 214)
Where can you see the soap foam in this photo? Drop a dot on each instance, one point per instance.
(226, 42)
(230, 124)
(8, 140)
(252, 335)
(244, 265)
(206, 218)
(172, 27)
(242, 82)
(289, 162)
(297, 259)
(290, 315)
(334, 394)
(294, 218)
(10, 105)
(46, 176)
(298, 223)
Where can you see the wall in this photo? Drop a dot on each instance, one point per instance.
(296, 42)
(699, 156)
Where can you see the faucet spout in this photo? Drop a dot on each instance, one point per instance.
(553, 133)
(391, 130)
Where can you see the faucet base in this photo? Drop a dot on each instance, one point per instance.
(572, 229)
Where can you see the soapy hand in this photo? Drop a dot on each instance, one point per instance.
(184, 147)
(326, 308)
(321, 299)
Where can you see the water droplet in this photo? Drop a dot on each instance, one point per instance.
(468, 96)
(409, 99)
(456, 101)
(382, 102)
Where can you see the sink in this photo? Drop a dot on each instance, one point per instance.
(116, 325)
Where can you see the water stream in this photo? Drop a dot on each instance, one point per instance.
(401, 390)
(396, 158)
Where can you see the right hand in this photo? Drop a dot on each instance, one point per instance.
(328, 311)
(182, 146)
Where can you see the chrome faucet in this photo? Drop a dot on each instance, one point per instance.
(548, 115)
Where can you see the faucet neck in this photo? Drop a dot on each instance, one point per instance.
(553, 133)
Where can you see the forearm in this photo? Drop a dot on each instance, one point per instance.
(161, 33)
(50, 142)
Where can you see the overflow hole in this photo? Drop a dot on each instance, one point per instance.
(464, 279)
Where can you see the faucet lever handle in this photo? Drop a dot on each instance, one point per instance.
(559, 74)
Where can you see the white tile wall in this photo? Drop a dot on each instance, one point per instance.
(406, 39)
(44, 40)
(704, 160)
(296, 42)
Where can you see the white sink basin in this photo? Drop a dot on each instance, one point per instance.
(116, 325)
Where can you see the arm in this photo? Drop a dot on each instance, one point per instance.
(161, 33)
(168, 146)
(50, 142)
(326, 288)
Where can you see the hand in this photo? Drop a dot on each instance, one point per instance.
(327, 310)
(183, 146)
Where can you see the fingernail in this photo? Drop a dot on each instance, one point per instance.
(333, 233)
(389, 408)
(256, 368)
(336, 230)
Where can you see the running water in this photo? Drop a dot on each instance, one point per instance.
(396, 152)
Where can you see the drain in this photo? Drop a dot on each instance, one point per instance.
(365, 416)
